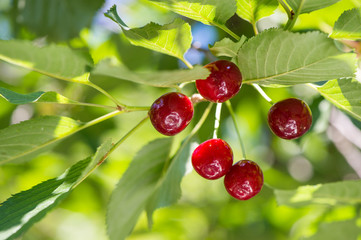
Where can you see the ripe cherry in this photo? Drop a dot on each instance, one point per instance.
(171, 113)
(223, 83)
(290, 118)
(244, 180)
(212, 159)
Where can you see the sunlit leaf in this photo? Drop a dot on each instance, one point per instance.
(348, 25)
(211, 12)
(285, 58)
(324, 17)
(344, 94)
(336, 230)
(173, 39)
(306, 6)
(254, 10)
(164, 78)
(29, 138)
(346, 192)
(226, 47)
(18, 98)
(23, 209)
(54, 60)
(136, 186)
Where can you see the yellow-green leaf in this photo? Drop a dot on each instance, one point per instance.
(344, 94)
(278, 57)
(173, 39)
(54, 60)
(254, 10)
(348, 26)
(27, 139)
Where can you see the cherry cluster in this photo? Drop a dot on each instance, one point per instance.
(213, 159)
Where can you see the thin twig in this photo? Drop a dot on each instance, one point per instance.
(115, 146)
(285, 7)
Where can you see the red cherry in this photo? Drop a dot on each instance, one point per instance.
(290, 118)
(171, 113)
(223, 83)
(244, 180)
(212, 159)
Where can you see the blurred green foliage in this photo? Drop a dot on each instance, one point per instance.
(205, 210)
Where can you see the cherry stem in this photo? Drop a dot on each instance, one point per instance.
(230, 109)
(217, 119)
(263, 94)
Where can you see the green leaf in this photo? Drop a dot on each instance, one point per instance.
(325, 16)
(137, 185)
(18, 98)
(226, 47)
(42, 97)
(348, 25)
(23, 209)
(254, 10)
(210, 12)
(285, 58)
(336, 231)
(344, 94)
(346, 192)
(173, 39)
(57, 19)
(55, 61)
(27, 139)
(158, 79)
(168, 189)
(306, 6)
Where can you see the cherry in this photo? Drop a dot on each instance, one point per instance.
(223, 83)
(244, 180)
(290, 118)
(212, 159)
(171, 113)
